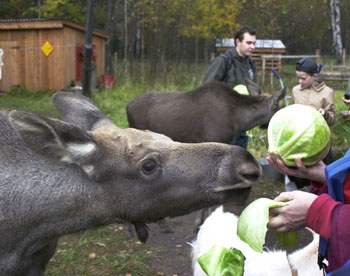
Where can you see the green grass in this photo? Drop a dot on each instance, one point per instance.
(21, 99)
(104, 251)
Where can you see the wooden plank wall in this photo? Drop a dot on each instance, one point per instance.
(26, 66)
(269, 63)
(36, 71)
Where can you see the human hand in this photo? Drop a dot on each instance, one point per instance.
(322, 111)
(346, 101)
(293, 216)
(314, 173)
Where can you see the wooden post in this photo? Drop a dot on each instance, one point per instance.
(318, 53)
(88, 48)
(115, 65)
(263, 70)
(344, 56)
(271, 78)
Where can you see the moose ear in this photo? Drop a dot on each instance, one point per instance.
(278, 96)
(281, 93)
(78, 110)
(52, 139)
(253, 88)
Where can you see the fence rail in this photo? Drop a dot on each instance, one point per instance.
(266, 58)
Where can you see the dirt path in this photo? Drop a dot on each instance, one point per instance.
(174, 257)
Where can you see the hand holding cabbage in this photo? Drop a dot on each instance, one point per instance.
(293, 216)
(314, 173)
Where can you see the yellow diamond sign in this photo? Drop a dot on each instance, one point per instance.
(47, 48)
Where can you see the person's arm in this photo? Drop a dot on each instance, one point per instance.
(346, 101)
(320, 215)
(215, 71)
(305, 209)
(329, 109)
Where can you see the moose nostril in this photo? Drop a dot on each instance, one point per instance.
(251, 174)
(253, 177)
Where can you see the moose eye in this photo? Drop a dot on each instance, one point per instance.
(148, 166)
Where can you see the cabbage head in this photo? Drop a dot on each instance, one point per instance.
(298, 131)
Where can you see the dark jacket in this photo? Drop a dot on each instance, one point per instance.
(241, 68)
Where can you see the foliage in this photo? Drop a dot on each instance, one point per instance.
(291, 22)
(209, 18)
(183, 29)
(64, 9)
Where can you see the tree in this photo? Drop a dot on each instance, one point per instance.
(63, 9)
(335, 19)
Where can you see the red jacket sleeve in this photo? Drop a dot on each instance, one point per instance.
(319, 216)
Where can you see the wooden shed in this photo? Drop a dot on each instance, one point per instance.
(263, 48)
(46, 54)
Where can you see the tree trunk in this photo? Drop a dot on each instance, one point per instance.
(88, 48)
(138, 35)
(126, 62)
(335, 20)
(109, 29)
(196, 57)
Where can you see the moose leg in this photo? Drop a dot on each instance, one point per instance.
(164, 226)
(41, 258)
(129, 230)
(200, 217)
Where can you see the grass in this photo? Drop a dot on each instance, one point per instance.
(39, 102)
(106, 251)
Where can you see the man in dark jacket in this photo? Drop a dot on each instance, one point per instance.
(240, 66)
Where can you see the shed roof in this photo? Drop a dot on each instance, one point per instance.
(260, 43)
(42, 23)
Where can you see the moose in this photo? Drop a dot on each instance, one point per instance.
(211, 113)
(63, 176)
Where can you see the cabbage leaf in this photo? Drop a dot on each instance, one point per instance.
(220, 261)
(252, 223)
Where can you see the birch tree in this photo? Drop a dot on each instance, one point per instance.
(335, 21)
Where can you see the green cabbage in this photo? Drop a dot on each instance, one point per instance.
(298, 131)
(241, 89)
(252, 223)
(220, 261)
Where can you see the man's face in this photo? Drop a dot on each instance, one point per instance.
(246, 47)
(305, 79)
